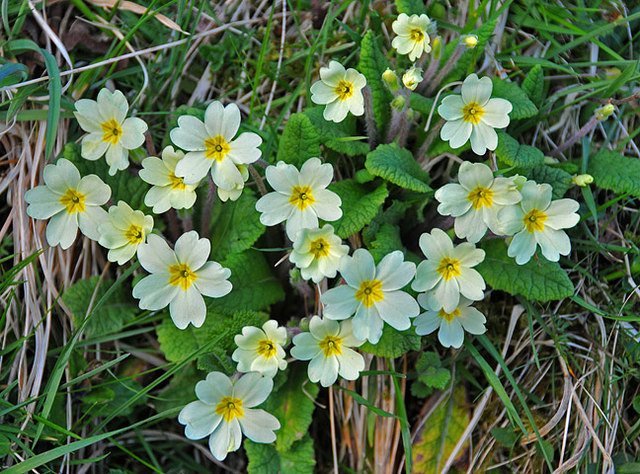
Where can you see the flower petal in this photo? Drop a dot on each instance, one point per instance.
(396, 308)
(451, 107)
(358, 268)
(340, 302)
(188, 307)
(522, 247)
(62, 229)
(427, 322)
(200, 420)
(212, 280)
(561, 214)
(253, 389)
(496, 113)
(244, 149)
(154, 291)
(394, 272)
(190, 133)
(453, 200)
(476, 90)
(258, 425)
(350, 363)
(451, 334)
(42, 203)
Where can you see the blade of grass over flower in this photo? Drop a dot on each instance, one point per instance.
(404, 427)
(363, 401)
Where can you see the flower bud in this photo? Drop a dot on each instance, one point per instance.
(398, 102)
(412, 78)
(550, 160)
(582, 180)
(436, 47)
(604, 112)
(519, 181)
(391, 80)
(470, 41)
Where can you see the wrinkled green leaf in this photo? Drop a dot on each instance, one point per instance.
(512, 153)
(615, 172)
(559, 179)
(398, 166)
(386, 241)
(359, 205)
(533, 84)
(393, 343)
(410, 7)
(372, 64)
(522, 105)
(337, 136)
(263, 458)
(299, 141)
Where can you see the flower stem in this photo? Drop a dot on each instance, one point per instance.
(453, 60)
(370, 123)
(586, 128)
(256, 177)
(205, 219)
(422, 152)
(334, 450)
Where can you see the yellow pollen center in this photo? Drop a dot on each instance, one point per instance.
(481, 197)
(176, 183)
(343, 90)
(181, 275)
(301, 196)
(112, 131)
(267, 348)
(134, 234)
(534, 220)
(472, 112)
(229, 408)
(331, 345)
(216, 148)
(370, 292)
(73, 201)
(449, 268)
(319, 248)
(416, 35)
(448, 317)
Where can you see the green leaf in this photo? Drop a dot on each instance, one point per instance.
(292, 403)
(392, 215)
(393, 343)
(299, 141)
(465, 64)
(300, 459)
(113, 314)
(430, 371)
(441, 432)
(337, 136)
(533, 84)
(420, 103)
(512, 153)
(522, 105)
(410, 7)
(620, 81)
(177, 394)
(359, 205)
(236, 225)
(505, 436)
(615, 172)
(254, 286)
(372, 64)
(122, 391)
(398, 166)
(387, 240)
(536, 280)
(124, 185)
(559, 179)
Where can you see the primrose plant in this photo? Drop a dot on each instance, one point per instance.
(338, 236)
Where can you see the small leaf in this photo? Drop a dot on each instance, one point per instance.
(359, 205)
(430, 371)
(410, 7)
(533, 84)
(300, 459)
(393, 343)
(299, 141)
(336, 136)
(392, 215)
(536, 280)
(559, 179)
(505, 436)
(398, 166)
(615, 172)
(512, 153)
(372, 64)
(522, 105)
(386, 241)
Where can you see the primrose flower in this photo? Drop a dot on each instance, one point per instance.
(260, 350)
(225, 411)
(328, 346)
(168, 191)
(70, 201)
(447, 272)
(179, 278)
(123, 232)
(413, 37)
(474, 115)
(210, 145)
(317, 253)
(475, 202)
(373, 294)
(470, 41)
(300, 197)
(412, 78)
(451, 325)
(109, 130)
(539, 221)
(340, 90)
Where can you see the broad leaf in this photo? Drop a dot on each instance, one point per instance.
(522, 105)
(533, 84)
(359, 205)
(559, 179)
(299, 141)
(393, 343)
(410, 7)
(512, 153)
(398, 166)
(615, 172)
(386, 241)
(300, 459)
(339, 137)
(372, 64)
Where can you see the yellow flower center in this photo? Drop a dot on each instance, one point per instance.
(343, 90)
(449, 268)
(481, 197)
(216, 148)
(370, 292)
(301, 196)
(73, 201)
(534, 220)
(472, 112)
(448, 317)
(319, 248)
(176, 183)
(331, 345)
(416, 35)
(229, 408)
(134, 234)
(267, 348)
(181, 275)
(112, 131)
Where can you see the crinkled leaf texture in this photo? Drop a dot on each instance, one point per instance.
(410, 7)
(264, 458)
(536, 280)
(299, 141)
(533, 84)
(359, 205)
(558, 178)
(372, 64)
(393, 343)
(119, 308)
(615, 172)
(386, 241)
(337, 136)
(512, 153)
(522, 105)
(398, 166)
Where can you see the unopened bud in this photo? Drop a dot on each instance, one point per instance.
(612, 72)
(398, 102)
(550, 160)
(604, 112)
(391, 80)
(470, 41)
(436, 47)
(412, 78)
(519, 181)
(582, 180)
